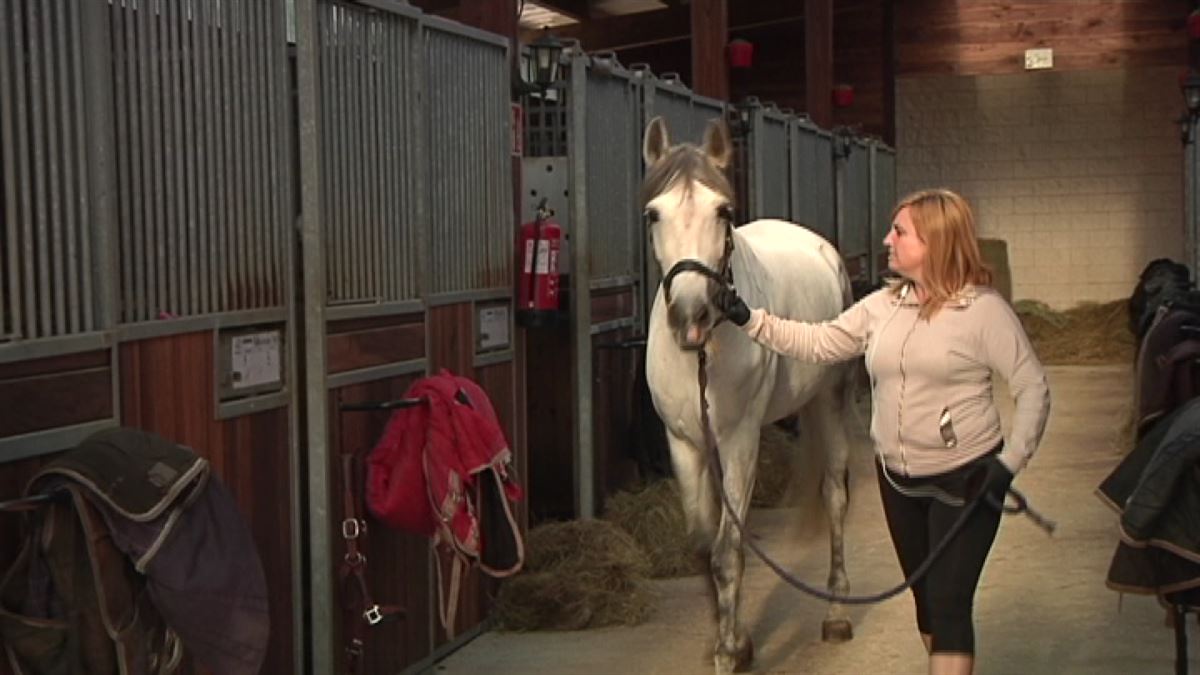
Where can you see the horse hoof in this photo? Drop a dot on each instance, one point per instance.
(744, 656)
(737, 661)
(836, 630)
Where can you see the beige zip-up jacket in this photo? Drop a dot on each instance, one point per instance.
(931, 380)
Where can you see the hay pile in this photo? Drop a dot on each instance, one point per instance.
(1087, 334)
(578, 574)
(653, 516)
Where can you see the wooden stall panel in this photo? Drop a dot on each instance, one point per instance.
(55, 392)
(398, 571)
(361, 343)
(550, 411)
(612, 304)
(167, 388)
(452, 338)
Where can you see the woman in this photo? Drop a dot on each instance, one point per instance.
(931, 341)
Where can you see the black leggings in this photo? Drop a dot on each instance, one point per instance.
(946, 594)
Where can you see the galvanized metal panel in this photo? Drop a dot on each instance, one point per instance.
(673, 103)
(46, 267)
(883, 198)
(613, 174)
(811, 179)
(202, 167)
(469, 173)
(855, 229)
(367, 65)
(773, 181)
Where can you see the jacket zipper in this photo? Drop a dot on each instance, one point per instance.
(900, 403)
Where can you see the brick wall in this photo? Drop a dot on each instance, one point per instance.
(1080, 172)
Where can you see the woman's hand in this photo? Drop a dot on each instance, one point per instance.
(729, 303)
(996, 478)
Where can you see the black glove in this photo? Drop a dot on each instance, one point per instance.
(731, 305)
(996, 479)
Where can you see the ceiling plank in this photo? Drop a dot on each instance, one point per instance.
(580, 10)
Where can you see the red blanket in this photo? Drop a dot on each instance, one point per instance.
(423, 475)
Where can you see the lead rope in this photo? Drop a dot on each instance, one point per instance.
(714, 461)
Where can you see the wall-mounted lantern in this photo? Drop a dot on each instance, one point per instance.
(541, 70)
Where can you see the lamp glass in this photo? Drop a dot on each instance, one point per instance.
(543, 66)
(1191, 93)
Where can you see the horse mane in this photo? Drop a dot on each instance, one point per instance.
(688, 163)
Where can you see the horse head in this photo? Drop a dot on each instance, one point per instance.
(688, 212)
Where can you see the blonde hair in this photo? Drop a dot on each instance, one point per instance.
(945, 222)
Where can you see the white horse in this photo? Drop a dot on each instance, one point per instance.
(776, 265)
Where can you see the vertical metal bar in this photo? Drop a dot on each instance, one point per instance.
(24, 95)
(325, 64)
(162, 282)
(262, 191)
(53, 170)
(227, 254)
(274, 44)
(316, 401)
(37, 115)
(131, 219)
(174, 202)
(581, 302)
(72, 159)
(376, 93)
(362, 190)
(252, 149)
(337, 127)
(99, 198)
(418, 100)
(9, 168)
(209, 153)
(237, 22)
(190, 177)
(144, 179)
(354, 153)
(390, 118)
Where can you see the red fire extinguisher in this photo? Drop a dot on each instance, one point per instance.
(541, 241)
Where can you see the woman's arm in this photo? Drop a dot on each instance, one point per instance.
(1007, 350)
(837, 340)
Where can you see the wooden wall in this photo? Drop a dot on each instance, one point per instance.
(167, 387)
(984, 37)
(399, 565)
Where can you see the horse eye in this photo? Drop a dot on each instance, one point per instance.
(725, 213)
(650, 216)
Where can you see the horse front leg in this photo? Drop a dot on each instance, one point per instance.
(739, 453)
(830, 436)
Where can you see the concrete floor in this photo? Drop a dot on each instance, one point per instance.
(1042, 607)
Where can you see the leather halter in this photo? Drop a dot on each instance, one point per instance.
(724, 276)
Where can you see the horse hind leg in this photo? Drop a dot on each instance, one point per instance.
(823, 416)
(734, 649)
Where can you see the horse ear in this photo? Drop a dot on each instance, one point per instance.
(716, 143)
(656, 143)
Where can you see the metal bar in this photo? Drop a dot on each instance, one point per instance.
(39, 443)
(262, 191)
(418, 100)
(181, 255)
(242, 107)
(142, 261)
(53, 173)
(189, 177)
(10, 321)
(161, 229)
(73, 156)
(319, 515)
(393, 115)
(227, 410)
(206, 154)
(492, 359)
(93, 148)
(153, 328)
(277, 125)
(377, 93)
(26, 186)
(374, 373)
(473, 295)
(614, 324)
(166, 149)
(581, 306)
(26, 350)
(37, 114)
(227, 254)
(355, 152)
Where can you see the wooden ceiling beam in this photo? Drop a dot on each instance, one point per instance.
(580, 10)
